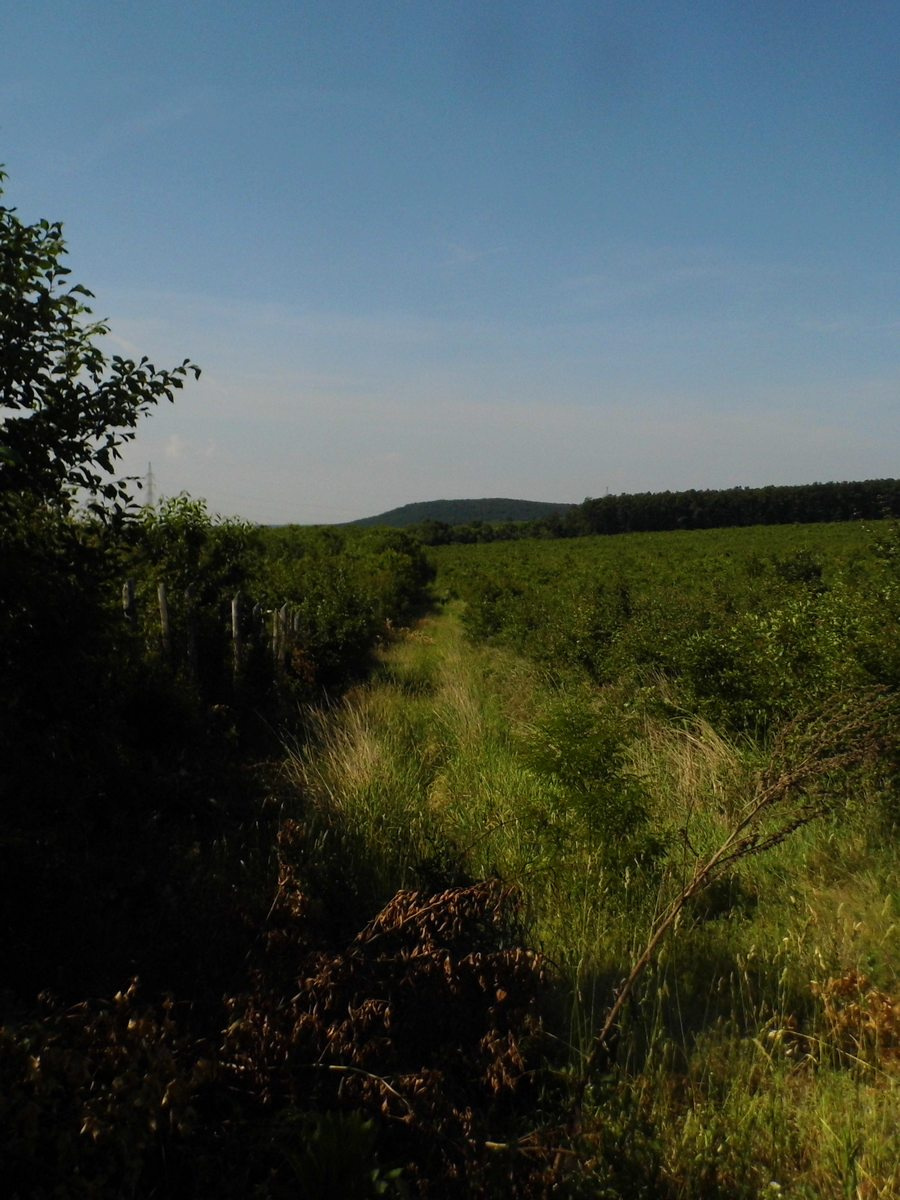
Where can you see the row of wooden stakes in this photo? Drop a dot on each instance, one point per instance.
(273, 629)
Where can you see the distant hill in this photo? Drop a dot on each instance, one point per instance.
(464, 512)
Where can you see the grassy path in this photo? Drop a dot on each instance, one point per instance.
(424, 755)
(741, 1066)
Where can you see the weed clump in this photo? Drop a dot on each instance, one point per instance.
(417, 1050)
(429, 1020)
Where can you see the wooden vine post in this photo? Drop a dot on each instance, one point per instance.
(279, 638)
(191, 634)
(128, 609)
(164, 629)
(285, 637)
(237, 648)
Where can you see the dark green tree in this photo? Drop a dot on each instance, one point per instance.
(76, 748)
(67, 407)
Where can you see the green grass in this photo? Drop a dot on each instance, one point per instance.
(735, 1077)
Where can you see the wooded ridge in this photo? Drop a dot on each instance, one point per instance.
(462, 512)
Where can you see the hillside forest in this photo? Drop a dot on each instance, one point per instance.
(336, 863)
(441, 522)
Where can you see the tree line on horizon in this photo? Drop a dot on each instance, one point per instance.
(709, 508)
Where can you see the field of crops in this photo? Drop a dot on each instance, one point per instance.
(583, 883)
(679, 752)
(743, 626)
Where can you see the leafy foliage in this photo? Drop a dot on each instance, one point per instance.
(71, 406)
(583, 752)
(746, 628)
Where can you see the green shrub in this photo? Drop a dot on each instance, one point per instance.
(581, 751)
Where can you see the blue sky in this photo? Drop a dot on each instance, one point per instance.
(426, 250)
